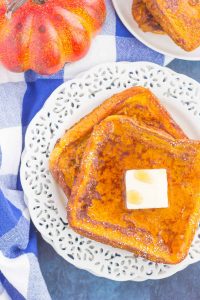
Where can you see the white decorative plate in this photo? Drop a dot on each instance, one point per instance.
(158, 42)
(68, 103)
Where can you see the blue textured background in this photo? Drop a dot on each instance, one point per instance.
(65, 282)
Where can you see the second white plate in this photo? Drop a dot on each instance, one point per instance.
(161, 43)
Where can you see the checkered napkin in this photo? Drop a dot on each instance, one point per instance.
(21, 96)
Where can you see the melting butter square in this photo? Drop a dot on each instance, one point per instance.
(147, 188)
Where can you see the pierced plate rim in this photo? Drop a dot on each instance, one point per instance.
(50, 100)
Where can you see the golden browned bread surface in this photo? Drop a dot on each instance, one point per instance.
(144, 18)
(96, 208)
(180, 19)
(138, 103)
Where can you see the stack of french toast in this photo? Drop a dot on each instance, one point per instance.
(179, 19)
(130, 130)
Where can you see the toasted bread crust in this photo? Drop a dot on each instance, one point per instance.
(96, 207)
(137, 102)
(180, 19)
(144, 18)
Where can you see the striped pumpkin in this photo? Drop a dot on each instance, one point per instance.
(43, 35)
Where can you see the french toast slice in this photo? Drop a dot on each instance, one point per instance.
(137, 102)
(96, 208)
(180, 19)
(144, 18)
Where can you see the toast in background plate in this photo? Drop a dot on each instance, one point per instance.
(144, 18)
(180, 19)
(138, 103)
(96, 208)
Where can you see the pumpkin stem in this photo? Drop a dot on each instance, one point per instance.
(13, 6)
(39, 1)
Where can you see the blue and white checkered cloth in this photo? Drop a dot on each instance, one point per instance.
(21, 96)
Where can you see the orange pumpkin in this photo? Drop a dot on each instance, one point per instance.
(44, 34)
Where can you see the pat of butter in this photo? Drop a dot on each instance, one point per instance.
(146, 189)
